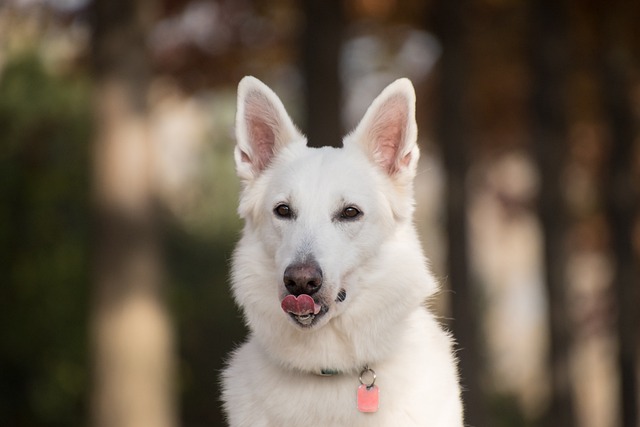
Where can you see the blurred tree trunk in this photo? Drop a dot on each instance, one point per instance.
(549, 56)
(621, 200)
(454, 121)
(322, 40)
(131, 333)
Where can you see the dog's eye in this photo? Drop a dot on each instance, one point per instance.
(350, 212)
(283, 211)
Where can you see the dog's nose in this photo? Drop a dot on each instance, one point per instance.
(303, 278)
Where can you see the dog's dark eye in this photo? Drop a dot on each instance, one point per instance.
(283, 211)
(350, 212)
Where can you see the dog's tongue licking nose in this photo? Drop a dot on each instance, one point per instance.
(301, 305)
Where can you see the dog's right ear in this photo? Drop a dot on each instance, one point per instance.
(262, 128)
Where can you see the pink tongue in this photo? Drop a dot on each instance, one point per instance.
(301, 305)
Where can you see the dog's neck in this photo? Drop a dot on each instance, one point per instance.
(309, 351)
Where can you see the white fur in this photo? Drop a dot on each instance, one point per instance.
(271, 380)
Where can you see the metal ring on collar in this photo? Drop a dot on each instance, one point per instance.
(373, 375)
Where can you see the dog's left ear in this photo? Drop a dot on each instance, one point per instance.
(263, 127)
(388, 131)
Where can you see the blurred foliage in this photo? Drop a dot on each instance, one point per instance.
(507, 412)
(45, 245)
(207, 322)
(198, 249)
(44, 225)
(45, 231)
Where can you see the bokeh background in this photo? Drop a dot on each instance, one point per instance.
(118, 194)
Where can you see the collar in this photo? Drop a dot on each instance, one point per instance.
(328, 372)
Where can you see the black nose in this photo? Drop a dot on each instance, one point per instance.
(303, 278)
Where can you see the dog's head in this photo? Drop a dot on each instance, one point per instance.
(316, 219)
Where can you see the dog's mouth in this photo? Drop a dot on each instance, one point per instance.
(306, 320)
(303, 309)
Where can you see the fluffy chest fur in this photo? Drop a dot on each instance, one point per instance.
(415, 383)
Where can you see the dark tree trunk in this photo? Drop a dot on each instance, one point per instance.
(622, 204)
(451, 25)
(322, 40)
(131, 334)
(549, 53)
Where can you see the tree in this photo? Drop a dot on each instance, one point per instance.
(549, 66)
(321, 43)
(132, 338)
(621, 200)
(454, 136)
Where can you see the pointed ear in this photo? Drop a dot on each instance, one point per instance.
(263, 127)
(388, 130)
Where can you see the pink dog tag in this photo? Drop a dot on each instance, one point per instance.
(368, 398)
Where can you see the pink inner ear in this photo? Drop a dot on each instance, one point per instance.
(261, 130)
(406, 160)
(262, 140)
(388, 144)
(388, 134)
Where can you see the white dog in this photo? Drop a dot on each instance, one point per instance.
(331, 277)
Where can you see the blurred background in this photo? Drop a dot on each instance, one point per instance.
(118, 193)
